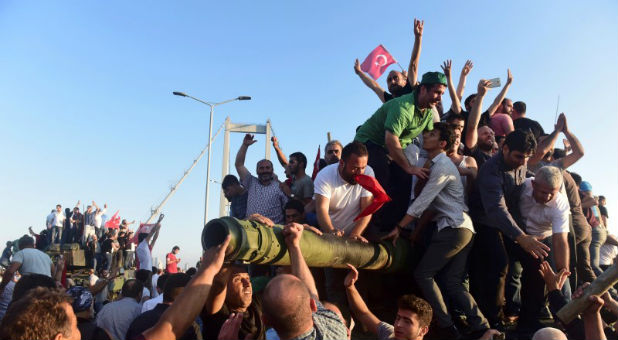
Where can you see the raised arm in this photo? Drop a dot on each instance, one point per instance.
(216, 298)
(94, 204)
(462, 78)
(475, 115)
(357, 304)
(240, 157)
(500, 97)
(78, 203)
(370, 83)
(576, 146)
(455, 103)
(548, 142)
(179, 316)
(8, 274)
(416, 52)
(154, 231)
(292, 233)
(280, 155)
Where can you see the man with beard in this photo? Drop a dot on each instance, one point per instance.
(232, 292)
(399, 83)
(338, 200)
(479, 141)
(389, 131)
(265, 196)
(302, 185)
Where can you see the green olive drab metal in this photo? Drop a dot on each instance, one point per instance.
(258, 243)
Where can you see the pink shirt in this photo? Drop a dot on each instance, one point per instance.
(501, 123)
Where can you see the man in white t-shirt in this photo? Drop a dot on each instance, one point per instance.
(339, 199)
(545, 212)
(27, 261)
(58, 224)
(146, 242)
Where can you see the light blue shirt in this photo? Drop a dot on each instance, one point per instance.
(33, 261)
(116, 317)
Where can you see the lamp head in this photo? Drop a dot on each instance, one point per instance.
(177, 93)
(244, 98)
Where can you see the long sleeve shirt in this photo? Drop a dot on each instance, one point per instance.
(500, 189)
(445, 194)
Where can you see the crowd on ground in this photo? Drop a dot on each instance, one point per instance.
(502, 233)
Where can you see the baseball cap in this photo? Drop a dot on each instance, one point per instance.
(585, 186)
(433, 78)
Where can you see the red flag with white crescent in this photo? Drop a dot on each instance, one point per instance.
(379, 195)
(143, 228)
(377, 62)
(114, 222)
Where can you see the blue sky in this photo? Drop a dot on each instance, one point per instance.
(86, 110)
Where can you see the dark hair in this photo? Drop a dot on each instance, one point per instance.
(447, 134)
(577, 178)
(132, 289)
(38, 315)
(141, 237)
(143, 275)
(469, 99)
(520, 107)
(162, 280)
(296, 205)
(191, 271)
(154, 269)
(522, 141)
(356, 148)
(175, 247)
(30, 282)
(25, 241)
(504, 101)
(453, 117)
(559, 153)
(228, 181)
(418, 306)
(301, 158)
(174, 285)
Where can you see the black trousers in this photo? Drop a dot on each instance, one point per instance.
(396, 182)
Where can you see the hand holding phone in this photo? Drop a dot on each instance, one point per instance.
(495, 82)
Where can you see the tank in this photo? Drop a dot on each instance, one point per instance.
(254, 242)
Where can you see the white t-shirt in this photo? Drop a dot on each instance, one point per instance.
(98, 218)
(544, 219)
(607, 254)
(33, 261)
(152, 303)
(154, 279)
(58, 219)
(344, 197)
(144, 256)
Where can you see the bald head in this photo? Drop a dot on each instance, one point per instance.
(549, 333)
(287, 306)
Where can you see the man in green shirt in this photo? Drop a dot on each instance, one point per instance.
(389, 131)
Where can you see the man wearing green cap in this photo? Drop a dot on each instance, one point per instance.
(389, 131)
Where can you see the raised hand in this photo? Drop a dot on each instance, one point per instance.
(552, 280)
(446, 67)
(394, 235)
(533, 246)
(483, 87)
(213, 257)
(509, 76)
(352, 276)
(249, 140)
(357, 68)
(418, 27)
(292, 233)
(467, 67)
(561, 123)
(231, 326)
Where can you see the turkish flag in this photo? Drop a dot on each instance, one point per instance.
(316, 165)
(379, 195)
(377, 61)
(114, 222)
(143, 228)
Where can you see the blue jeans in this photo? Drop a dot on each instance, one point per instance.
(599, 235)
(57, 234)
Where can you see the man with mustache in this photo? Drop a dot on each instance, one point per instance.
(265, 196)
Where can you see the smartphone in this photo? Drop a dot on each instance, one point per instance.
(121, 271)
(495, 82)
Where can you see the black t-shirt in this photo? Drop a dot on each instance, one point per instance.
(603, 211)
(406, 89)
(106, 246)
(526, 124)
(148, 319)
(90, 331)
(251, 323)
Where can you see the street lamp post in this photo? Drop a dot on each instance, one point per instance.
(212, 110)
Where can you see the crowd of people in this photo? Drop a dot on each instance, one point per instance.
(502, 234)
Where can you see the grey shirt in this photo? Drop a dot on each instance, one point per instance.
(500, 189)
(302, 188)
(116, 317)
(33, 261)
(386, 331)
(445, 194)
